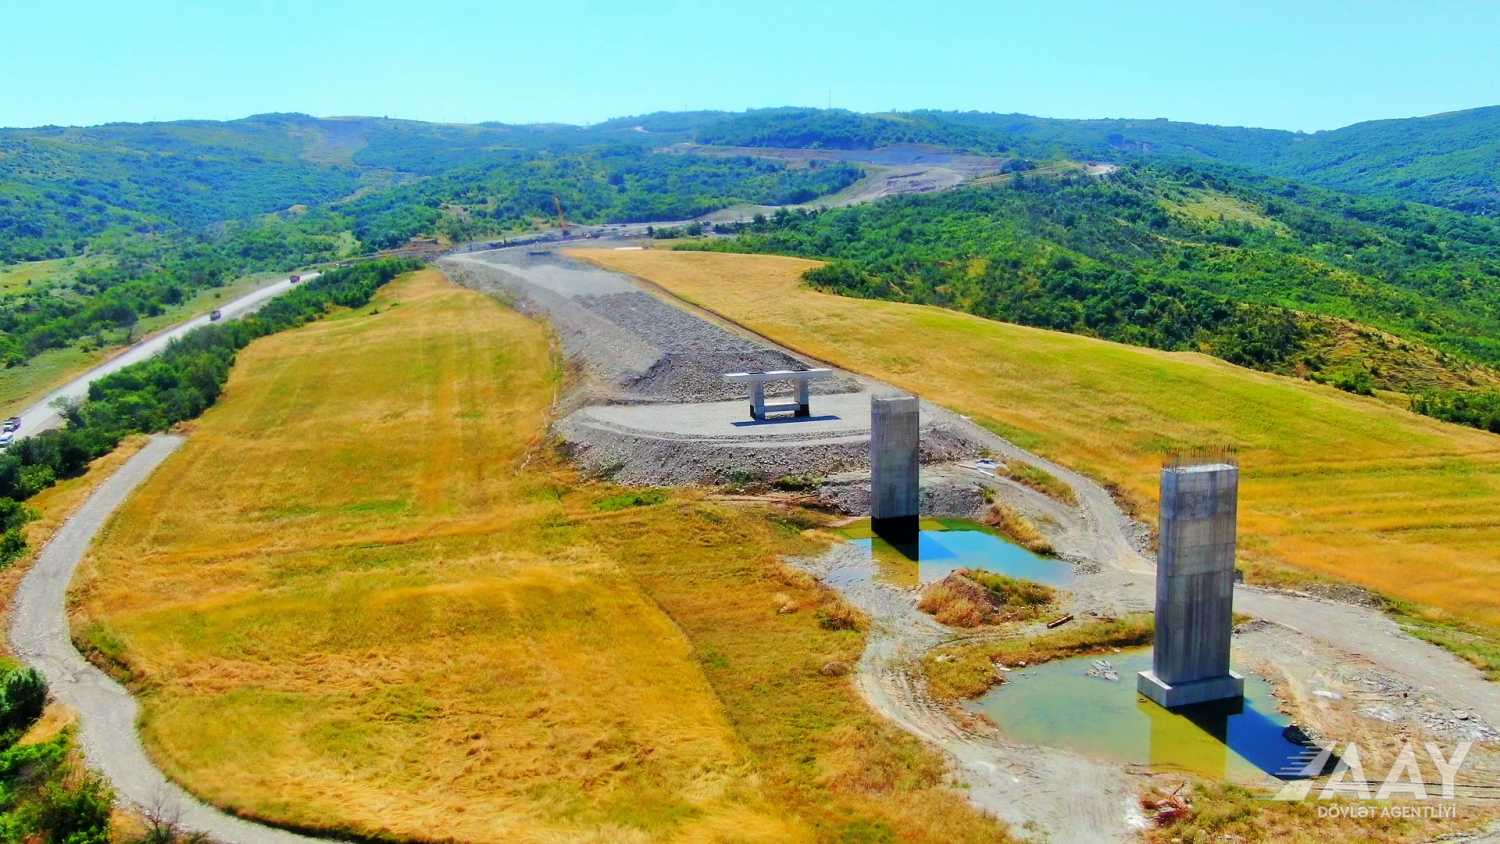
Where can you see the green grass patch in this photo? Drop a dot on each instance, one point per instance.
(966, 670)
(1478, 647)
(625, 500)
(1040, 480)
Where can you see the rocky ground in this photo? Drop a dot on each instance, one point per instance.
(630, 347)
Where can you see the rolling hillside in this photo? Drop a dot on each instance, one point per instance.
(1333, 484)
(1449, 159)
(1261, 272)
(1210, 238)
(60, 188)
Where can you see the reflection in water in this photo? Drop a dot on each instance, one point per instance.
(938, 552)
(1058, 704)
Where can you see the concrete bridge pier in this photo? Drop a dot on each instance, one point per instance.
(895, 437)
(1195, 588)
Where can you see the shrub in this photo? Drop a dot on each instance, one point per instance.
(838, 616)
(23, 694)
(957, 602)
(75, 815)
(12, 546)
(969, 598)
(36, 478)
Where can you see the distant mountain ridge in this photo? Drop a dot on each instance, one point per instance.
(60, 186)
(1450, 159)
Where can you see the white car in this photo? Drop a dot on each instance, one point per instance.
(6, 439)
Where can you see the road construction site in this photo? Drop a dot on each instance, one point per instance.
(648, 404)
(652, 408)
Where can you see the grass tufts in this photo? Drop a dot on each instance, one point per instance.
(1014, 526)
(966, 670)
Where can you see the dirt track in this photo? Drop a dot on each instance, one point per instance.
(106, 711)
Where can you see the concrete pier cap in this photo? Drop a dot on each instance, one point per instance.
(895, 484)
(1195, 586)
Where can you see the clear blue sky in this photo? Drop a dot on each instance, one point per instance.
(1293, 65)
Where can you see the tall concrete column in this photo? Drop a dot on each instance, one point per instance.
(895, 433)
(1195, 588)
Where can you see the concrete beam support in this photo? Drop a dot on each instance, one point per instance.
(895, 435)
(1195, 588)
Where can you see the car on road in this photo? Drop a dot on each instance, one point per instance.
(296, 278)
(12, 424)
(214, 317)
(6, 439)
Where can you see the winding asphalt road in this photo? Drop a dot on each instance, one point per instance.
(106, 711)
(42, 415)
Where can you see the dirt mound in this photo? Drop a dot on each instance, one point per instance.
(958, 601)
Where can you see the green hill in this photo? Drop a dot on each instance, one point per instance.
(1446, 159)
(165, 210)
(1261, 272)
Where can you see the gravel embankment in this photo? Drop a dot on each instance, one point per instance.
(636, 346)
(636, 457)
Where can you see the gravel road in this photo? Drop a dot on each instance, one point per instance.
(106, 711)
(41, 416)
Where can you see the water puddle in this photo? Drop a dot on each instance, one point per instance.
(1067, 703)
(944, 545)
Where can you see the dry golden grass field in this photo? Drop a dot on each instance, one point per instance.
(367, 597)
(1332, 483)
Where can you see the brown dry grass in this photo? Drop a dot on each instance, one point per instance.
(1224, 812)
(970, 598)
(1017, 528)
(1332, 483)
(366, 597)
(957, 602)
(967, 669)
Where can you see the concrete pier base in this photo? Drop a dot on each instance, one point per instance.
(895, 434)
(1195, 587)
(1229, 686)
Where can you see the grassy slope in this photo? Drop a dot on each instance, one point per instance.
(365, 596)
(1333, 483)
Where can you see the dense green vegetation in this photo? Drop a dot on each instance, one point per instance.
(59, 188)
(147, 274)
(1171, 257)
(43, 795)
(1475, 408)
(1200, 242)
(1445, 159)
(619, 183)
(166, 210)
(155, 394)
